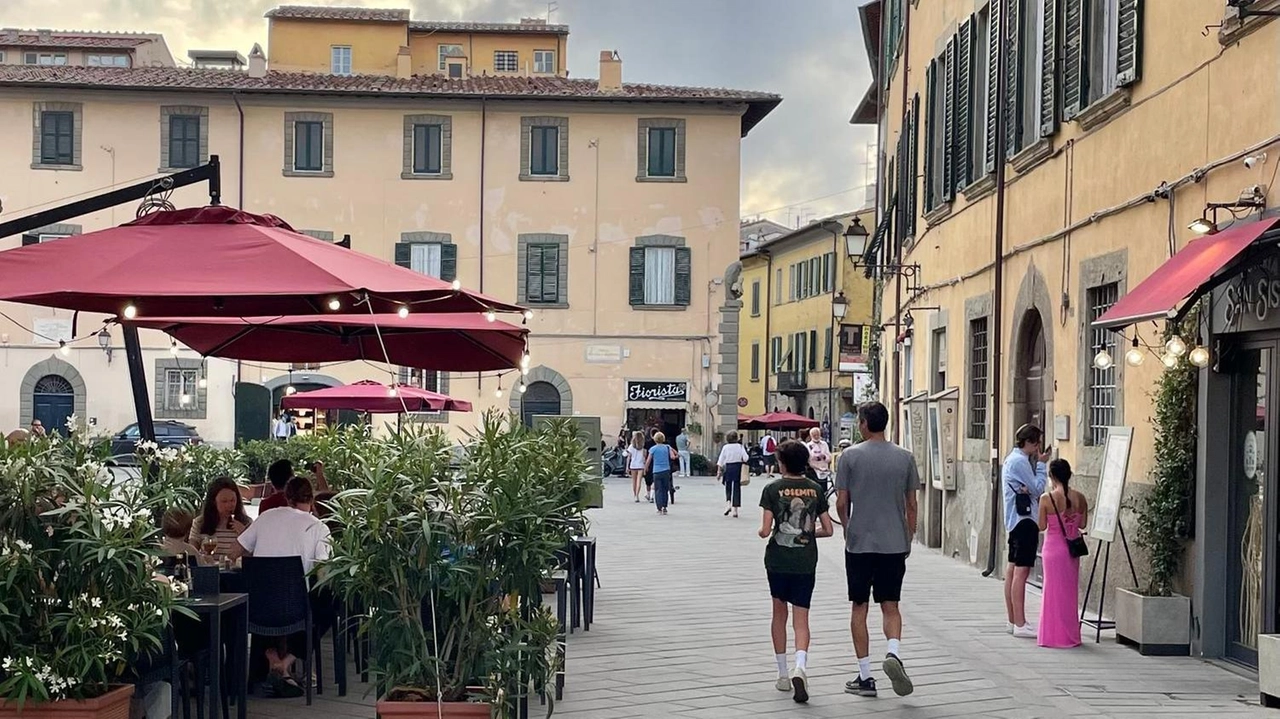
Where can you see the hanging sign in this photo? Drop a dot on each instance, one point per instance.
(671, 392)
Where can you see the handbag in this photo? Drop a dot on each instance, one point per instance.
(745, 475)
(1076, 546)
(1022, 504)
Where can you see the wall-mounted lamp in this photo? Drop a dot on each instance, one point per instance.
(104, 342)
(1251, 198)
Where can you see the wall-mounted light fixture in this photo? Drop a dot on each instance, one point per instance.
(104, 342)
(1251, 198)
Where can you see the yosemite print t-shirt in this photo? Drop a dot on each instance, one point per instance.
(796, 505)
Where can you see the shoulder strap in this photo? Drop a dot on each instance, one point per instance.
(1061, 525)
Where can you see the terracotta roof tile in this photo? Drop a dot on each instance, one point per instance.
(488, 27)
(28, 38)
(358, 14)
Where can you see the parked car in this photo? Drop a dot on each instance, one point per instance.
(169, 433)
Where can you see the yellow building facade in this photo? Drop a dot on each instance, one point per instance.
(443, 176)
(795, 355)
(1124, 121)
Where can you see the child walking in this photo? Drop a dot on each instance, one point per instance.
(794, 516)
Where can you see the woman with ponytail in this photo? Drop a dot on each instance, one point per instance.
(1063, 512)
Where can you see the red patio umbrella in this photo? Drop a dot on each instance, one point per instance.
(370, 396)
(449, 342)
(784, 421)
(219, 261)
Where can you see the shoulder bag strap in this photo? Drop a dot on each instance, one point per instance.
(1061, 525)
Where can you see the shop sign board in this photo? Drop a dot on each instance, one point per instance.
(1115, 465)
(666, 392)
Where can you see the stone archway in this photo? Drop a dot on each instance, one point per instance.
(1030, 370)
(51, 366)
(555, 379)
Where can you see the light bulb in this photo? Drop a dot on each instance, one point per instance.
(1175, 346)
(290, 390)
(1170, 361)
(1103, 360)
(64, 348)
(498, 393)
(528, 314)
(391, 392)
(524, 371)
(184, 399)
(173, 348)
(1199, 357)
(522, 388)
(524, 361)
(403, 311)
(130, 311)
(1134, 357)
(203, 383)
(335, 304)
(457, 285)
(491, 315)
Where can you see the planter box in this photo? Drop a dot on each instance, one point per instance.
(428, 710)
(1158, 626)
(112, 705)
(1269, 669)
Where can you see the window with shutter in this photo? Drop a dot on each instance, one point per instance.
(813, 349)
(1030, 82)
(1013, 72)
(937, 132)
(542, 274)
(993, 86)
(755, 361)
(949, 123)
(980, 53)
(963, 164)
(755, 298)
(635, 271)
(1129, 42)
(912, 162)
(930, 125)
(57, 138)
(826, 354)
(1075, 59)
(1048, 117)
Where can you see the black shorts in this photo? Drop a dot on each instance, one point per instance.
(880, 572)
(769, 459)
(794, 589)
(1024, 540)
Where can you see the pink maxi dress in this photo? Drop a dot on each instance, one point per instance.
(1060, 609)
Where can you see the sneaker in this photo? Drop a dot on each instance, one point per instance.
(861, 687)
(783, 684)
(800, 683)
(897, 674)
(1024, 632)
(1008, 627)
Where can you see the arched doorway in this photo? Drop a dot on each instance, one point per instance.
(1032, 362)
(539, 398)
(53, 400)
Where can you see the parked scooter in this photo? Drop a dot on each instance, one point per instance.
(755, 459)
(614, 461)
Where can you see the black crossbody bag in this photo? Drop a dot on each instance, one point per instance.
(1075, 546)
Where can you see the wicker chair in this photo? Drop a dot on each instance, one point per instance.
(279, 605)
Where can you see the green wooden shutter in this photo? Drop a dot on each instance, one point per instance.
(964, 106)
(910, 163)
(533, 274)
(1075, 59)
(993, 54)
(636, 279)
(550, 271)
(1013, 99)
(403, 254)
(826, 362)
(684, 276)
(448, 262)
(931, 117)
(1129, 43)
(813, 349)
(950, 128)
(1049, 70)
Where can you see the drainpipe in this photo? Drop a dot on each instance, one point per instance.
(239, 196)
(897, 284)
(484, 117)
(997, 305)
(768, 318)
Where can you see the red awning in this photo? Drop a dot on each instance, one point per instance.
(779, 420)
(369, 396)
(1159, 295)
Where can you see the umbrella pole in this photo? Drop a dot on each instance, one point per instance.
(138, 379)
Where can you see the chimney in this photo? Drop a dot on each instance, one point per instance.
(610, 71)
(9, 34)
(257, 62)
(45, 35)
(404, 64)
(532, 21)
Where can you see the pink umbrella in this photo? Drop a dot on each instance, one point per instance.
(370, 396)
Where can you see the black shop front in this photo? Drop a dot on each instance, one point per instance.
(657, 404)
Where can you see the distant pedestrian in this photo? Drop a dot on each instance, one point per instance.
(637, 457)
(1061, 517)
(876, 501)
(682, 448)
(794, 516)
(37, 428)
(819, 459)
(660, 463)
(1024, 477)
(284, 427)
(729, 468)
(768, 446)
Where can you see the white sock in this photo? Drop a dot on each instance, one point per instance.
(802, 659)
(893, 648)
(782, 664)
(864, 668)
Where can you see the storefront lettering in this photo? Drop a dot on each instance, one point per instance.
(1259, 297)
(657, 392)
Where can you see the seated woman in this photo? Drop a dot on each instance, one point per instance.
(222, 517)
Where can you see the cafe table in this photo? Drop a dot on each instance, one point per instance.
(214, 610)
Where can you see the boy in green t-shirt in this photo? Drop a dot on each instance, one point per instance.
(795, 515)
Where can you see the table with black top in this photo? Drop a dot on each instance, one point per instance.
(233, 609)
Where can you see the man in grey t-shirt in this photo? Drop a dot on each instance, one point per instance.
(877, 482)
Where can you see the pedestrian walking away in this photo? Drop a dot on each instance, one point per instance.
(660, 464)
(876, 484)
(794, 516)
(1024, 476)
(648, 472)
(768, 445)
(729, 469)
(682, 448)
(636, 462)
(1063, 511)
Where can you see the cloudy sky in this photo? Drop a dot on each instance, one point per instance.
(804, 161)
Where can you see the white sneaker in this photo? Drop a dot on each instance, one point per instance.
(783, 684)
(1026, 631)
(800, 683)
(1008, 626)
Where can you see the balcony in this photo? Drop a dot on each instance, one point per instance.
(793, 382)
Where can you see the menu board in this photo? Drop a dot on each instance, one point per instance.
(1115, 465)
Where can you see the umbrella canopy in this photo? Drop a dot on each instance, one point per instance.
(449, 342)
(219, 261)
(782, 420)
(370, 396)
(744, 421)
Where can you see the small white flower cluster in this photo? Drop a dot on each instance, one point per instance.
(7, 548)
(73, 423)
(146, 445)
(56, 684)
(119, 516)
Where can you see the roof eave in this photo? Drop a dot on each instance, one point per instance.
(868, 110)
(757, 110)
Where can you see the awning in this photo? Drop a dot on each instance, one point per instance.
(649, 404)
(1181, 276)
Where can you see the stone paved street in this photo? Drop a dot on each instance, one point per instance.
(682, 630)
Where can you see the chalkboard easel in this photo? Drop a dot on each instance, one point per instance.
(1098, 623)
(1105, 514)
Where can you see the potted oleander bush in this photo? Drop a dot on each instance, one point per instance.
(79, 607)
(447, 561)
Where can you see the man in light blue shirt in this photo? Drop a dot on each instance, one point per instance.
(682, 448)
(1024, 476)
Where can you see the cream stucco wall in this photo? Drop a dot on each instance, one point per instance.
(305, 45)
(479, 48)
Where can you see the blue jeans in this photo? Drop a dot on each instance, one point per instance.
(661, 489)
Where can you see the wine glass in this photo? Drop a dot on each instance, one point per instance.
(209, 543)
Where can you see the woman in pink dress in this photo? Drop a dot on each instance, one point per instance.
(1063, 512)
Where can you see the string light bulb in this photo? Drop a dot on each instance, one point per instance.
(403, 312)
(1103, 360)
(524, 361)
(335, 304)
(185, 399)
(528, 314)
(64, 348)
(1199, 357)
(490, 315)
(130, 311)
(173, 347)
(457, 285)
(391, 392)
(290, 390)
(1175, 346)
(498, 393)
(1135, 356)
(203, 382)
(521, 387)
(1170, 361)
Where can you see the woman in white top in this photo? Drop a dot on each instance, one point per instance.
(733, 457)
(636, 458)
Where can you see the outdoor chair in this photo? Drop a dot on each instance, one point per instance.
(279, 605)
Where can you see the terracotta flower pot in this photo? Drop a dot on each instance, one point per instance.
(112, 705)
(430, 710)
